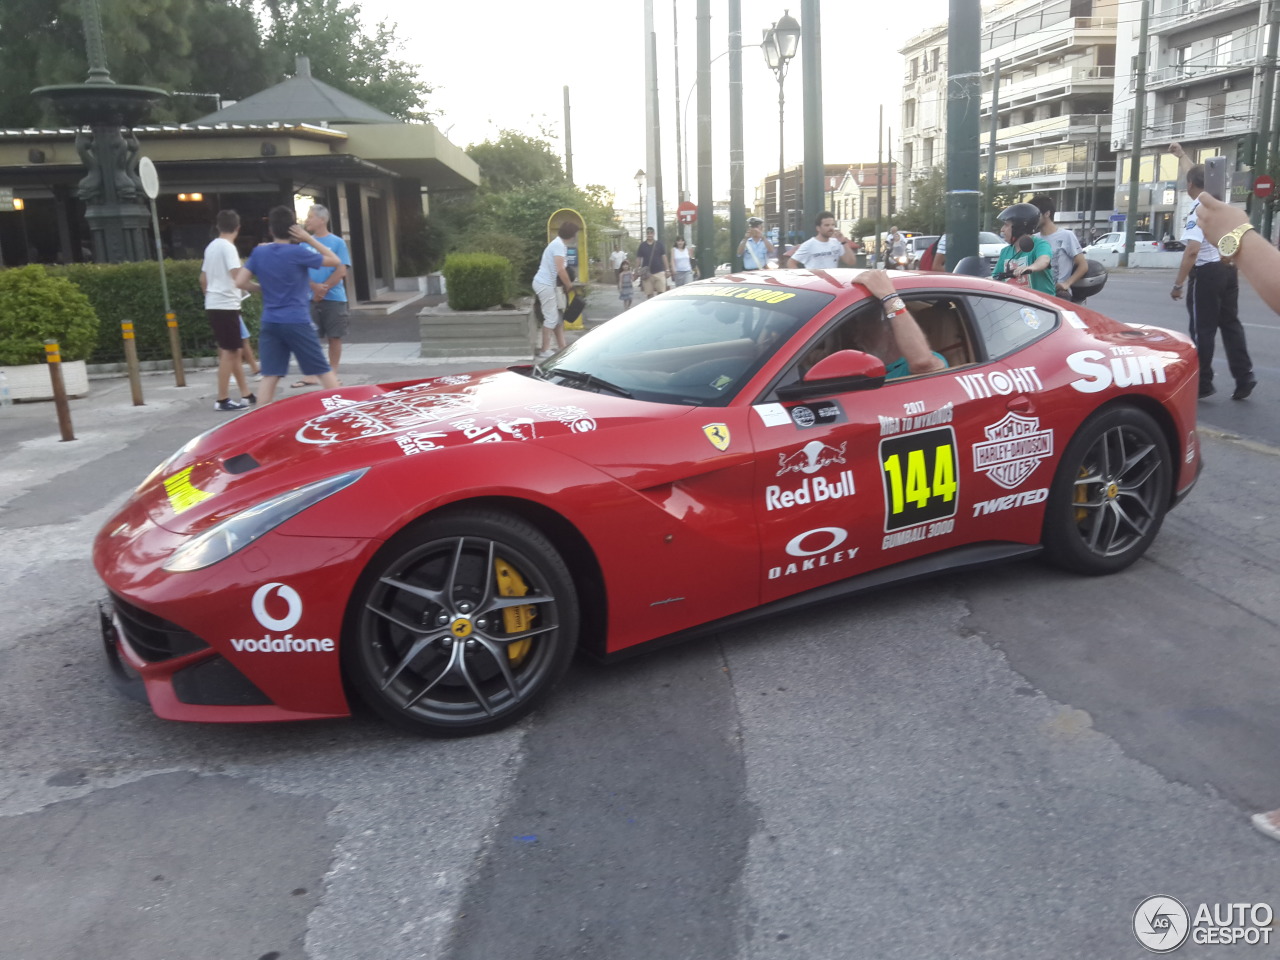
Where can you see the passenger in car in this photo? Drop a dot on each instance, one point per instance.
(898, 340)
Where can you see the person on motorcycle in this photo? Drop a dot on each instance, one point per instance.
(1028, 259)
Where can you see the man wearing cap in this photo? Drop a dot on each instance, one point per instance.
(755, 248)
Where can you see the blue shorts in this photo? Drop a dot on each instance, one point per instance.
(276, 341)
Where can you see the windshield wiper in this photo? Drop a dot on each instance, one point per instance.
(590, 380)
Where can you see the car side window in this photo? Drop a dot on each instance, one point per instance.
(1006, 326)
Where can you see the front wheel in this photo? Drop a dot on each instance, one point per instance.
(1110, 493)
(462, 624)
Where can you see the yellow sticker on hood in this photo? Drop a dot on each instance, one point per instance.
(182, 494)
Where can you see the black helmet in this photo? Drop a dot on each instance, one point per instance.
(1024, 218)
(973, 267)
(1094, 279)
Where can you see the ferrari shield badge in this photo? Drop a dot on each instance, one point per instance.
(718, 434)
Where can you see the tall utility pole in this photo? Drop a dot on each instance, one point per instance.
(737, 171)
(991, 143)
(1135, 154)
(1097, 163)
(811, 71)
(675, 59)
(657, 214)
(706, 232)
(653, 140)
(964, 103)
(568, 138)
(892, 178)
(1262, 154)
(875, 241)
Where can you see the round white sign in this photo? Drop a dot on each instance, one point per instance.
(150, 181)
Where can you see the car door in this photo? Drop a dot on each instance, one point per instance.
(859, 479)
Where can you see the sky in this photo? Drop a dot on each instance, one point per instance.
(503, 64)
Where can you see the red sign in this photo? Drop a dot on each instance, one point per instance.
(1264, 186)
(687, 212)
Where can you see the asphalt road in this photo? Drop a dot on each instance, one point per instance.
(999, 764)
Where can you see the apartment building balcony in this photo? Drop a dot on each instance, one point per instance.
(1187, 131)
(1054, 85)
(1186, 74)
(1049, 176)
(1174, 15)
(1073, 33)
(1068, 128)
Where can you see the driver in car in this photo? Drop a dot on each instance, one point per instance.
(898, 341)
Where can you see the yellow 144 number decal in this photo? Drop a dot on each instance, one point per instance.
(920, 479)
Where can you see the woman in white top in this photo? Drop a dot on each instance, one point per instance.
(681, 263)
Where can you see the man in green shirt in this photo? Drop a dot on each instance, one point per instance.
(1027, 258)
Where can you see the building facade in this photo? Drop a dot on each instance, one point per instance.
(1205, 67)
(1054, 63)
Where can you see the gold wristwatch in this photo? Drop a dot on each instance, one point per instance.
(1229, 245)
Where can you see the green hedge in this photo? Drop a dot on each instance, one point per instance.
(476, 281)
(35, 307)
(132, 291)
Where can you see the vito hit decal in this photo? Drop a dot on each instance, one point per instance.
(921, 485)
(1000, 383)
(1014, 448)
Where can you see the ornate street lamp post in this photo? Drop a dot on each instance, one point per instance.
(780, 44)
(112, 190)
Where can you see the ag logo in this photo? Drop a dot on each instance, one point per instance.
(1161, 924)
(718, 434)
(291, 599)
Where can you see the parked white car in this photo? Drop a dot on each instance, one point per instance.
(1114, 243)
(916, 246)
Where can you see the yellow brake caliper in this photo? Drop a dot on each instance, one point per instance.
(1082, 496)
(515, 619)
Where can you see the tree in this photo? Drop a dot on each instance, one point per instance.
(329, 32)
(516, 160)
(231, 48)
(927, 211)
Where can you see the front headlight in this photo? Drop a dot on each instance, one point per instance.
(221, 541)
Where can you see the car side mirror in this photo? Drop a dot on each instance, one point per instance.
(841, 372)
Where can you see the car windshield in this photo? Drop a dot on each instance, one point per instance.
(698, 345)
(986, 236)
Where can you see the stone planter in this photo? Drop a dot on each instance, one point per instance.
(498, 333)
(31, 381)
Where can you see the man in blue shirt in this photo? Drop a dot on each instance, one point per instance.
(282, 270)
(328, 290)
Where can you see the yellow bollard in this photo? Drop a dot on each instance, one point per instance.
(131, 357)
(175, 347)
(53, 354)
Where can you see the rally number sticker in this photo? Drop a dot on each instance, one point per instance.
(921, 480)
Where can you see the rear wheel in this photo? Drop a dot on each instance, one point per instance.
(465, 622)
(1110, 494)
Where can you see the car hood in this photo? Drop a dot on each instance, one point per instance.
(300, 440)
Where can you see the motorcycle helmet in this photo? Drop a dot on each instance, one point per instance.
(1024, 218)
(1091, 283)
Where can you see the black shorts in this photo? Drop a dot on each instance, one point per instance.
(226, 328)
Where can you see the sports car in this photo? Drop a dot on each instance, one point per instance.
(440, 548)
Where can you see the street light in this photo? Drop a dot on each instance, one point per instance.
(779, 45)
(640, 200)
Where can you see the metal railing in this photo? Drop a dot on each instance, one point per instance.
(1175, 13)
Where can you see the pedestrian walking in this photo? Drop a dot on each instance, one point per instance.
(283, 279)
(651, 258)
(222, 306)
(1213, 294)
(553, 272)
(626, 284)
(681, 262)
(755, 248)
(329, 310)
(827, 248)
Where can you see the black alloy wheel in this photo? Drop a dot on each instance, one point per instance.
(1110, 494)
(463, 623)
